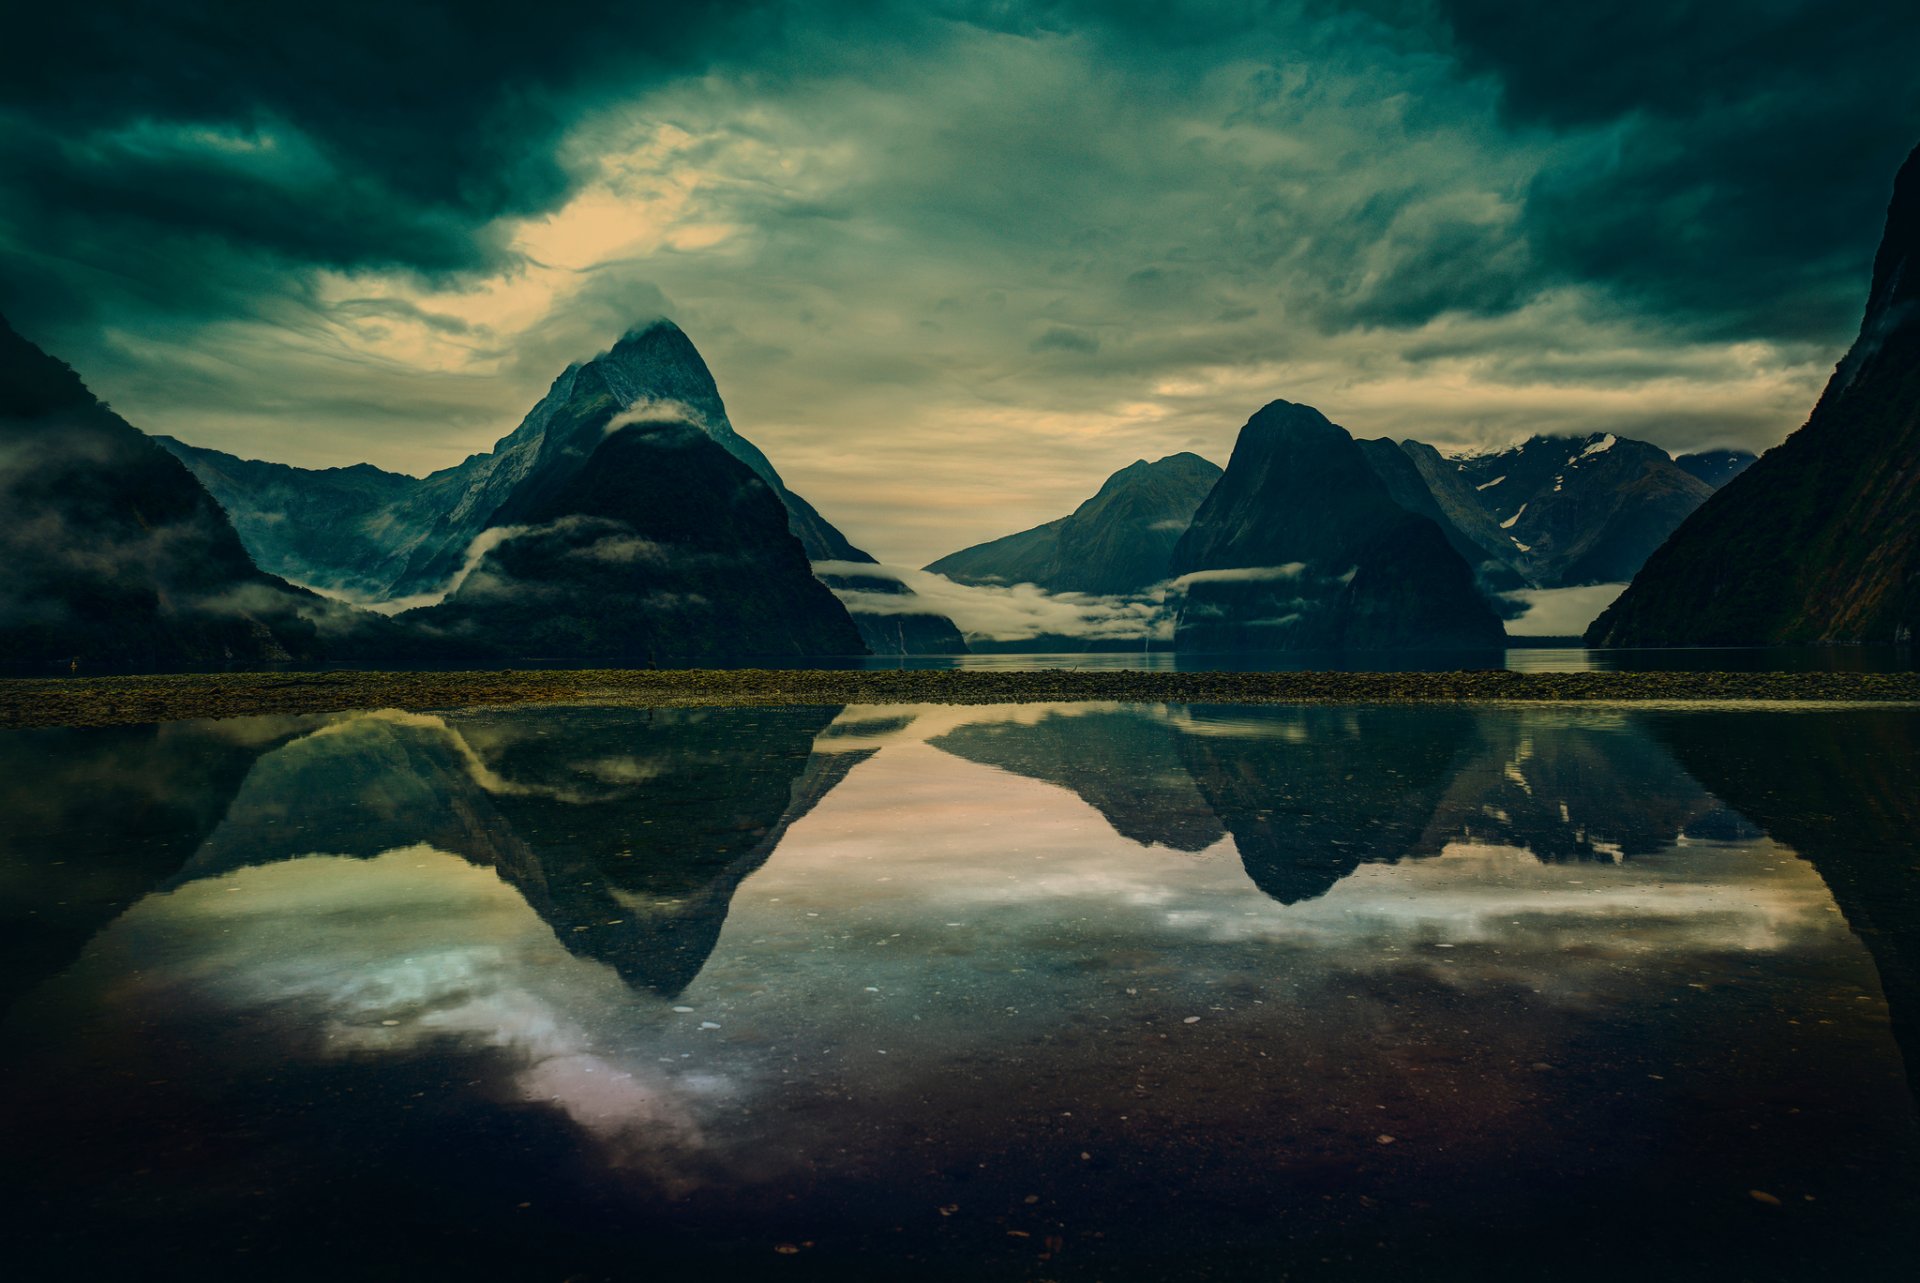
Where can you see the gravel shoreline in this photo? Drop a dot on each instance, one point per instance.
(118, 701)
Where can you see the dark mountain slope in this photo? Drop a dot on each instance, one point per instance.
(1447, 483)
(1820, 540)
(658, 544)
(1119, 542)
(329, 527)
(1582, 510)
(1407, 484)
(110, 550)
(1299, 546)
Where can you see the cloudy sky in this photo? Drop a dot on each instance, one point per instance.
(952, 262)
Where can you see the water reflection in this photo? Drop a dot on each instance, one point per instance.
(626, 832)
(1076, 990)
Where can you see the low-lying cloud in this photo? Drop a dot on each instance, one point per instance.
(1240, 575)
(1559, 612)
(1015, 612)
(661, 410)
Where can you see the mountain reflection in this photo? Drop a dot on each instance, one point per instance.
(729, 975)
(1310, 794)
(629, 831)
(626, 831)
(1843, 790)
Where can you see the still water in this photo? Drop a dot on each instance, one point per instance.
(1039, 992)
(1525, 659)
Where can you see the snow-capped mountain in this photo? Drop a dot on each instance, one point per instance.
(396, 540)
(1578, 510)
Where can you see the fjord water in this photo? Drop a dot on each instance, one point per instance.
(1074, 991)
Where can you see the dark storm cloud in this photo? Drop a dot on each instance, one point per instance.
(188, 151)
(1732, 159)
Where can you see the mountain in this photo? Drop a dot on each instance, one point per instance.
(1556, 511)
(328, 527)
(388, 538)
(1842, 792)
(1115, 544)
(111, 551)
(1124, 762)
(626, 830)
(1299, 546)
(1716, 467)
(658, 543)
(1819, 541)
(1425, 484)
(1582, 510)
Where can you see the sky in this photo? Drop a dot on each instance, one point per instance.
(952, 263)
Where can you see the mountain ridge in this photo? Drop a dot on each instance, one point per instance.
(1300, 546)
(416, 542)
(1117, 542)
(1818, 541)
(111, 551)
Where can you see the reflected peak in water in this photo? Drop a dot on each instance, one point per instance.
(717, 980)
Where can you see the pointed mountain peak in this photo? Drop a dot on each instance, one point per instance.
(661, 325)
(1896, 276)
(656, 349)
(1289, 419)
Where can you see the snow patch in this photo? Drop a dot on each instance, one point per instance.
(1490, 484)
(1601, 446)
(1508, 523)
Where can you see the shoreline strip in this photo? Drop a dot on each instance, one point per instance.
(132, 700)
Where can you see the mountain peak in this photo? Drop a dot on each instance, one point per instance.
(1291, 418)
(1173, 469)
(1299, 546)
(640, 330)
(657, 359)
(1893, 302)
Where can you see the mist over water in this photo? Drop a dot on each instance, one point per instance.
(1069, 991)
